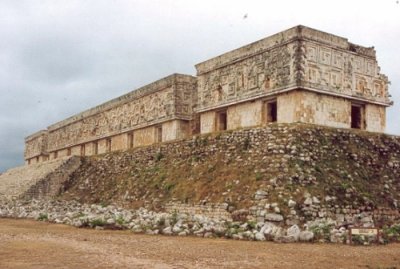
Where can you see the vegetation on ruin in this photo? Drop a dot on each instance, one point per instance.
(286, 161)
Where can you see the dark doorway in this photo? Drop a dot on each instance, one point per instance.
(83, 150)
(108, 144)
(272, 112)
(356, 117)
(159, 134)
(222, 121)
(95, 148)
(130, 140)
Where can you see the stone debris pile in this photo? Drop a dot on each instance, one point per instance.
(182, 224)
(149, 222)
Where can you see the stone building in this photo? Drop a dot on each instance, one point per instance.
(158, 112)
(298, 75)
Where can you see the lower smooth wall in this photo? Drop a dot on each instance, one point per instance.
(176, 129)
(119, 142)
(375, 118)
(207, 122)
(309, 107)
(244, 115)
(237, 116)
(144, 136)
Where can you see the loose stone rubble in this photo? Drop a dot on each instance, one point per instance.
(149, 222)
(145, 221)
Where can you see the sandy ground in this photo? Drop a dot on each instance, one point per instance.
(31, 244)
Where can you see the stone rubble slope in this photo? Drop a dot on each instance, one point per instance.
(347, 171)
(37, 180)
(149, 222)
(280, 182)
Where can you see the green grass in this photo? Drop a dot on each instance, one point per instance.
(43, 217)
(97, 222)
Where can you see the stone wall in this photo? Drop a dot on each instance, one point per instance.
(245, 115)
(160, 111)
(343, 71)
(250, 76)
(213, 211)
(359, 168)
(36, 146)
(308, 107)
(252, 180)
(323, 180)
(316, 108)
(167, 99)
(207, 122)
(375, 117)
(300, 58)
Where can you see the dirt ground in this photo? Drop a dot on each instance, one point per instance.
(31, 244)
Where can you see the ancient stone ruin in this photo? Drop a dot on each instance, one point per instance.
(298, 75)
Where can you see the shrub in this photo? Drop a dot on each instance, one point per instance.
(43, 217)
(391, 233)
(159, 156)
(358, 239)
(230, 232)
(174, 218)
(120, 220)
(103, 204)
(322, 230)
(97, 222)
(252, 224)
(169, 186)
(259, 176)
(161, 222)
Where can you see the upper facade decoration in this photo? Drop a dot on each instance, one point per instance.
(300, 57)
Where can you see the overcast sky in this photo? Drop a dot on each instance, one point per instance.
(58, 58)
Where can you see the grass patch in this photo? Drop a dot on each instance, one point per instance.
(97, 222)
(43, 217)
(169, 186)
(159, 156)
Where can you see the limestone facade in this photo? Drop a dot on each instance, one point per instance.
(298, 75)
(158, 112)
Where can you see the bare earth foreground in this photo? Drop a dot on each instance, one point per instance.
(31, 244)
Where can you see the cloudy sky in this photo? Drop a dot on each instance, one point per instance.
(58, 57)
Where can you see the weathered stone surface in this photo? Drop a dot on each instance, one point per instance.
(294, 231)
(274, 217)
(260, 194)
(291, 203)
(308, 201)
(127, 121)
(306, 236)
(260, 236)
(307, 58)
